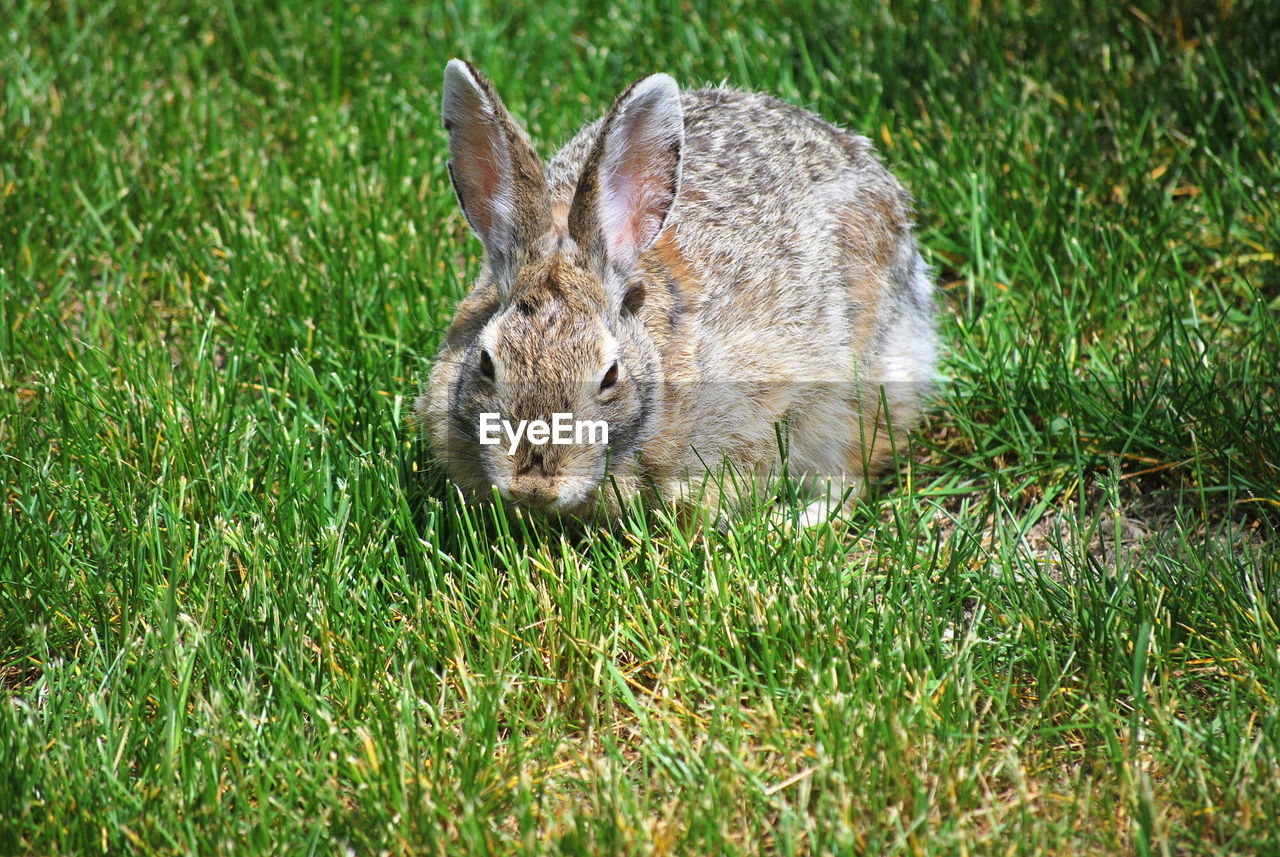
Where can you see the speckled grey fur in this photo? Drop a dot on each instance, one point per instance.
(785, 287)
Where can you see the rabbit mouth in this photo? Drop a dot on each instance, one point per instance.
(552, 510)
(562, 497)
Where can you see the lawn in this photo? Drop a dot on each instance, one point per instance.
(237, 614)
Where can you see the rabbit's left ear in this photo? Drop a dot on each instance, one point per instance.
(632, 175)
(495, 172)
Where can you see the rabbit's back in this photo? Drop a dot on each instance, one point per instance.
(785, 218)
(740, 148)
(804, 298)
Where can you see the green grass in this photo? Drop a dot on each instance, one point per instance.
(234, 617)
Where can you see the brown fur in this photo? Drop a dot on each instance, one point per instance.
(784, 288)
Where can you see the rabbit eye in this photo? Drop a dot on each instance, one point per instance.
(610, 377)
(634, 299)
(486, 365)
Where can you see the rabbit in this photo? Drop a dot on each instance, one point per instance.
(717, 275)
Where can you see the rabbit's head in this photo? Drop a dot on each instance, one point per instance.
(556, 339)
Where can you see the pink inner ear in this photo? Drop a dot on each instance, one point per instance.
(637, 194)
(622, 196)
(479, 173)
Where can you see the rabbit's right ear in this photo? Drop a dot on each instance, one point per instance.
(632, 176)
(495, 173)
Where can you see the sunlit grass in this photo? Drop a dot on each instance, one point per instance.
(236, 616)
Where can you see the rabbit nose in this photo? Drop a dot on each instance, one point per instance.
(531, 486)
(533, 460)
(533, 494)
